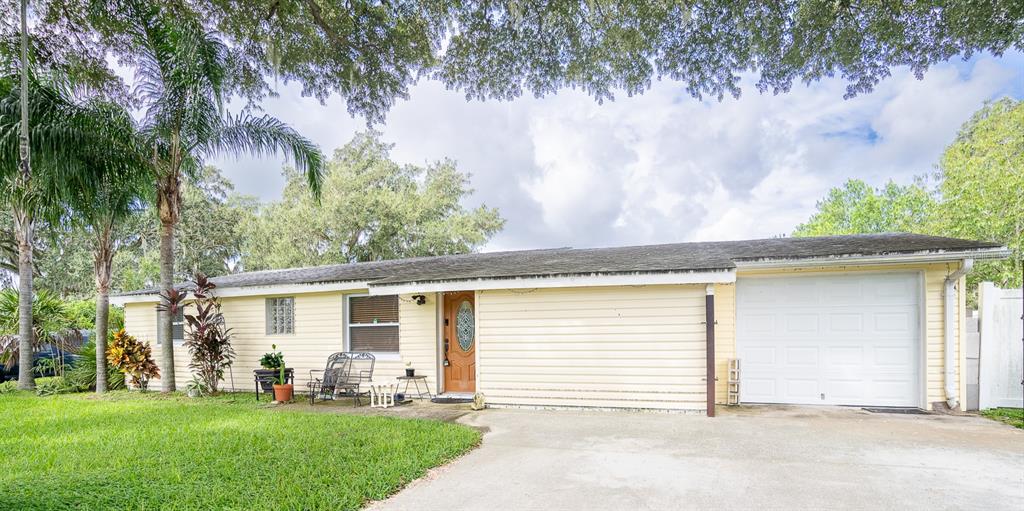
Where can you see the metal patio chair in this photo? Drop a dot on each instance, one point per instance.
(357, 380)
(323, 384)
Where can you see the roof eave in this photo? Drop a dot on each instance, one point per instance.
(706, 276)
(267, 290)
(924, 256)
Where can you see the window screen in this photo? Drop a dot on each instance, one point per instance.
(373, 324)
(280, 316)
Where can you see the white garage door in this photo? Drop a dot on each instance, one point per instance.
(829, 339)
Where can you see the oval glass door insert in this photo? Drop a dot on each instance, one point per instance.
(465, 329)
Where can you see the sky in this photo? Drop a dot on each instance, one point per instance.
(661, 167)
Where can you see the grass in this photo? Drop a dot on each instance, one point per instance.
(1011, 416)
(151, 451)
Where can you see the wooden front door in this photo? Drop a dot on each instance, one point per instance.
(459, 342)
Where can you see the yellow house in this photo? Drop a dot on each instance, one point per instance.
(866, 320)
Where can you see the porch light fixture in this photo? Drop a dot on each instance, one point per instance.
(420, 299)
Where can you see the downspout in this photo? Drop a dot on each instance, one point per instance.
(950, 312)
(709, 308)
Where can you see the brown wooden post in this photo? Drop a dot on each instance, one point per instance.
(709, 307)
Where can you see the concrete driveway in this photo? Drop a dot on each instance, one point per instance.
(752, 458)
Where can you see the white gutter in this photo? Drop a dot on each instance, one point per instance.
(919, 257)
(950, 313)
(630, 279)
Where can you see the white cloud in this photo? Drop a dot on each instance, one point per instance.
(663, 167)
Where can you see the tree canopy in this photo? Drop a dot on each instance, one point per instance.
(982, 185)
(857, 208)
(211, 230)
(979, 195)
(370, 209)
(370, 52)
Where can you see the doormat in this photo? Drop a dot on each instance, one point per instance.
(451, 400)
(904, 411)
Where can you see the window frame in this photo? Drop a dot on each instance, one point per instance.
(348, 326)
(174, 321)
(269, 310)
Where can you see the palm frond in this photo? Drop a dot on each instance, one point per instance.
(181, 75)
(266, 135)
(84, 152)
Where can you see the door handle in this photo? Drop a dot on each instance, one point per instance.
(446, 345)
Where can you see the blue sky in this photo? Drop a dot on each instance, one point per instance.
(662, 167)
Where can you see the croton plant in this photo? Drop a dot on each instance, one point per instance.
(134, 358)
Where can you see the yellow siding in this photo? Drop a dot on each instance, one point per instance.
(418, 338)
(631, 347)
(319, 331)
(725, 335)
(934, 277)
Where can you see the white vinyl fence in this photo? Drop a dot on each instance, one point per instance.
(1002, 351)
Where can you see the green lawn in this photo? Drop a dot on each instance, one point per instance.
(132, 451)
(1011, 416)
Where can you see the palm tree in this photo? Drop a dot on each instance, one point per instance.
(23, 220)
(87, 159)
(121, 180)
(183, 77)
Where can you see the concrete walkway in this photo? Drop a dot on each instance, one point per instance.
(761, 458)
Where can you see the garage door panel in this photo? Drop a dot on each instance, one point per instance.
(759, 388)
(802, 389)
(898, 358)
(802, 323)
(844, 389)
(760, 356)
(845, 322)
(760, 323)
(842, 292)
(802, 356)
(844, 356)
(892, 322)
(894, 291)
(856, 343)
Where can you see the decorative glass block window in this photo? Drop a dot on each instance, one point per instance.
(373, 324)
(177, 327)
(280, 316)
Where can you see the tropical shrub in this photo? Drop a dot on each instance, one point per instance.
(50, 325)
(49, 366)
(8, 386)
(133, 358)
(83, 372)
(197, 387)
(207, 337)
(54, 386)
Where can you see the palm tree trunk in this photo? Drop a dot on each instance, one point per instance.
(23, 219)
(165, 331)
(23, 232)
(103, 264)
(168, 203)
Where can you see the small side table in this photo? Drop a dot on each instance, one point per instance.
(415, 380)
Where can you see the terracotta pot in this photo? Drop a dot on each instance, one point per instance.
(283, 393)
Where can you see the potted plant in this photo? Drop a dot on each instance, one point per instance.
(271, 363)
(282, 389)
(409, 371)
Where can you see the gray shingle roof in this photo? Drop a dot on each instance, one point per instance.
(675, 257)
